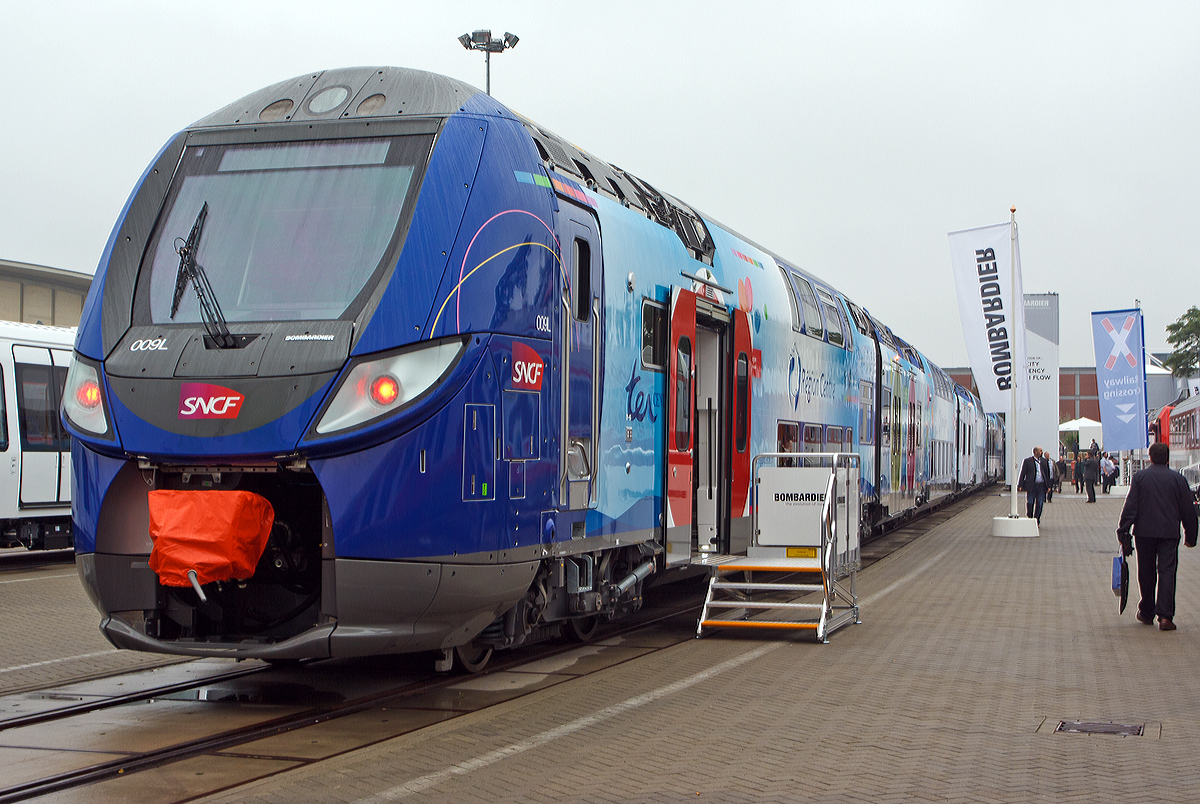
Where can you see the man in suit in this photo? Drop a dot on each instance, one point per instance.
(1034, 477)
(1091, 474)
(1159, 502)
(1053, 484)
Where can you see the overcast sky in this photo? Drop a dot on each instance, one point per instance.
(847, 137)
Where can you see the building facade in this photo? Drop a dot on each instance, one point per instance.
(38, 294)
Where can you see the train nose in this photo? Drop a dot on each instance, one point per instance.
(255, 399)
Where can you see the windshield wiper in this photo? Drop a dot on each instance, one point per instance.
(189, 269)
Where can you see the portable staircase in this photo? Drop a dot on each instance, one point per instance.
(809, 583)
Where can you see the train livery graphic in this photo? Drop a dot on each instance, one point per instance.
(35, 487)
(486, 383)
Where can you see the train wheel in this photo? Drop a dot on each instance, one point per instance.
(584, 628)
(472, 657)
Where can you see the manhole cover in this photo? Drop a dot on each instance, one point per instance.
(1083, 727)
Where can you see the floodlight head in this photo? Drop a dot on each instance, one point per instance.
(481, 38)
(510, 40)
(465, 39)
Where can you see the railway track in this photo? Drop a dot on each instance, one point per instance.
(216, 688)
(670, 611)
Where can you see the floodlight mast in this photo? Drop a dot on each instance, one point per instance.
(482, 40)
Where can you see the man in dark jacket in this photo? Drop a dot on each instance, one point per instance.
(1033, 480)
(1159, 502)
(1091, 475)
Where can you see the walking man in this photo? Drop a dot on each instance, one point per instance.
(1034, 477)
(1053, 477)
(1091, 474)
(1159, 502)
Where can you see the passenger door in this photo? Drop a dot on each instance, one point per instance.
(681, 402)
(43, 441)
(581, 343)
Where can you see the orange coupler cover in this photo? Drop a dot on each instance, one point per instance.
(219, 534)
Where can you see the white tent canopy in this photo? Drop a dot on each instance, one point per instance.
(1089, 430)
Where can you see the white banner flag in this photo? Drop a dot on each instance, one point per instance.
(987, 265)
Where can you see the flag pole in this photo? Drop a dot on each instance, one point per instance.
(1017, 371)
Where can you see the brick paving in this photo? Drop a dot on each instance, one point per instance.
(972, 649)
(50, 632)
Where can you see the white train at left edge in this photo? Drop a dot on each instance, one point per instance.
(35, 477)
(489, 383)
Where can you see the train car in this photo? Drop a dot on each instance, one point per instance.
(35, 492)
(1184, 441)
(443, 381)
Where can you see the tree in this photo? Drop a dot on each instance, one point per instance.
(1184, 336)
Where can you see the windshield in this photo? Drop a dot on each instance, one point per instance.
(294, 231)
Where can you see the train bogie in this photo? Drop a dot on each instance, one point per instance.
(488, 385)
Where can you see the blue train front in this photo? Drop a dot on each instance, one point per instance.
(378, 301)
(382, 250)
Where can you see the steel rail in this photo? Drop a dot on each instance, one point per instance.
(202, 745)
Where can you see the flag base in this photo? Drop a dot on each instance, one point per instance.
(1014, 528)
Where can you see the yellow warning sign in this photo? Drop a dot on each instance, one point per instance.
(802, 552)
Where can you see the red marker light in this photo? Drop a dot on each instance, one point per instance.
(88, 394)
(384, 390)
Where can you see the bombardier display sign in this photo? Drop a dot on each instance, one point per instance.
(987, 265)
(791, 501)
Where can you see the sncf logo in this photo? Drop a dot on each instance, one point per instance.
(198, 400)
(526, 368)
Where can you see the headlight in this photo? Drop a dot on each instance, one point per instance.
(83, 398)
(384, 385)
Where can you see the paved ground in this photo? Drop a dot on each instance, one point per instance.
(971, 651)
(51, 632)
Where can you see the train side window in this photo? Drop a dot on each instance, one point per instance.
(791, 295)
(3, 415)
(812, 313)
(743, 393)
(37, 408)
(833, 439)
(789, 441)
(813, 442)
(866, 413)
(581, 281)
(847, 329)
(860, 318)
(654, 336)
(833, 321)
(683, 396)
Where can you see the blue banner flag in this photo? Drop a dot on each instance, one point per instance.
(1121, 378)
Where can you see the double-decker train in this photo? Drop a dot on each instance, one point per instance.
(443, 381)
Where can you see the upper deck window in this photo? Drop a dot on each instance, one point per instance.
(791, 296)
(812, 314)
(833, 320)
(294, 231)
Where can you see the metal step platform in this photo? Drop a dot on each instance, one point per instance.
(790, 588)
